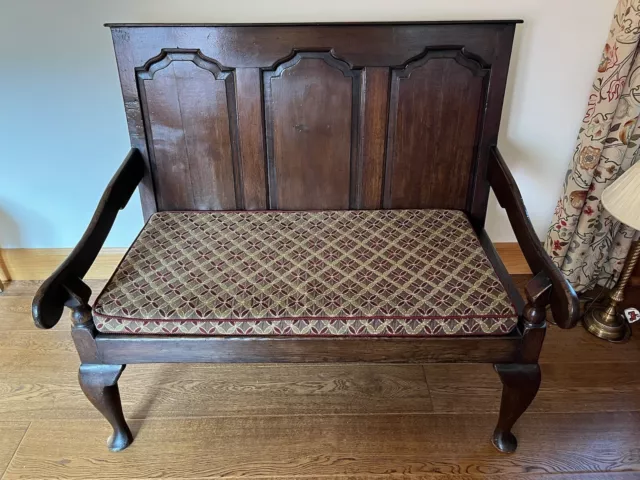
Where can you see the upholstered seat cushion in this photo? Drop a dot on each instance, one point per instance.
(325, 273)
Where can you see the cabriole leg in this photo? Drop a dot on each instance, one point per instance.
(100, 384)
(520, 383)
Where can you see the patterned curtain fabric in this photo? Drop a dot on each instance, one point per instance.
(587, 243)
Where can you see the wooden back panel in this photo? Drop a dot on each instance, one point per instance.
(297, 117)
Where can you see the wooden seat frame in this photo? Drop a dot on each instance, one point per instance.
(515, 356)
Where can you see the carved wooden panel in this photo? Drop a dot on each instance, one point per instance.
(311, 121)
(315, 116)
(188, 103)
(435, 116)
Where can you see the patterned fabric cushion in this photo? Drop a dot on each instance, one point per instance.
(326, 273)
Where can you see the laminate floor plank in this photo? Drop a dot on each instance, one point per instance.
(11, 434)
(20, 288)
(51, 391)
(579, 346)
(29, 287)
(292, 446)
(15, 313)
(566, 387)
(315, 421)
(229, 390)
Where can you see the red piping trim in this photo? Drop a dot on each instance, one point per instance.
(359, 335)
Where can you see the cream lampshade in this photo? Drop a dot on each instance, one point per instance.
(622, 197)
(622, 200)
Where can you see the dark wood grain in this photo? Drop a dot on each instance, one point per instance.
(66, 282)
(435, 115)
(311, 136)
(133, 112)
(100, 384)
(373, 120)
(191, 130)
(129, 349)
(310, 121)
(488, 138)
(533, 323)
(251, 141)
(314, 24)
(359, 44)
(520, 383)
(563, 299)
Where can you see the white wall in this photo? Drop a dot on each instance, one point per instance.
(62, 123)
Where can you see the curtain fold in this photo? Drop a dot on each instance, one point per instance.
(584, 240)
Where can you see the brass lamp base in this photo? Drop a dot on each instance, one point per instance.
(601, 323)
(604, 321)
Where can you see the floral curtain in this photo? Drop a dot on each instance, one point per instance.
(587, 243)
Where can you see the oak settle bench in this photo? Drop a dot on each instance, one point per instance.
(312, 193)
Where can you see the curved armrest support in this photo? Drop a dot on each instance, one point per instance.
(65, 285)
(563, 299)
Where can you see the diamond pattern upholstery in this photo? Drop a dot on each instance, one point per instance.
(326, 273)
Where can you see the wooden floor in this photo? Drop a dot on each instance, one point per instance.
(356, 421)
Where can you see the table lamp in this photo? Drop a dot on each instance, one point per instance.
(622, 200)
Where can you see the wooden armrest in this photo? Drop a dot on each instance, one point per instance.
(65, 285)
(563, 299)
